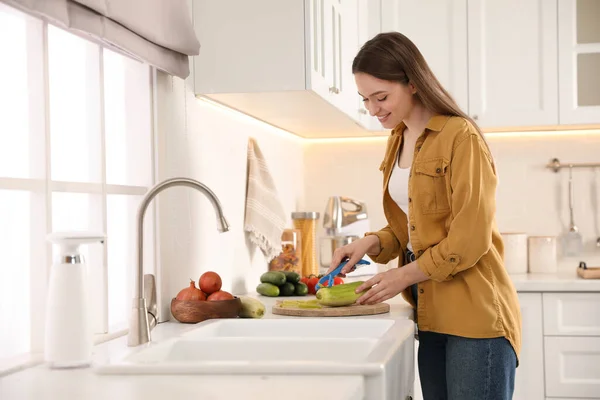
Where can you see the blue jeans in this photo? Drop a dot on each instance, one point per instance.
(458, 368)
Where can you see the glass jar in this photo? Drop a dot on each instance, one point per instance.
(291, 253)
(306, 222)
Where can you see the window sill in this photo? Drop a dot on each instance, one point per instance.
(18, 363)
(28, 360)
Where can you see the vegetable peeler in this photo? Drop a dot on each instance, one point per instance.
(329, 277)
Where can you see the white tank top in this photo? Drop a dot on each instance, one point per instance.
(398, 188)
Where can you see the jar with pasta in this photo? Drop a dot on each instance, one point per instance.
(291, 253)
(306, 222)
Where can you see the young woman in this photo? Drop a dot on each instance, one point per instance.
(439, 183)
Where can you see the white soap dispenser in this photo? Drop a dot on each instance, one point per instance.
(68, 336)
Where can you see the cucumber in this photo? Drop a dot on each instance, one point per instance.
(287, 289)
(268, 289)
(274, 277)
(339, 295)
(251, 308)
(292, 276)
(301, 289)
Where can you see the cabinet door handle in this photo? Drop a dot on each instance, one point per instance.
(475, 117)
(362, 111)
(334, 90)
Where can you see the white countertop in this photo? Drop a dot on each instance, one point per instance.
(565, 281)
(42, 383)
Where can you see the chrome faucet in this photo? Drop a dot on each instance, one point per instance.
(139, 327)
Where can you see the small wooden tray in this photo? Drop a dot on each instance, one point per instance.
(588, 272)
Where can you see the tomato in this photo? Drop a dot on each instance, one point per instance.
(304, 280)
(312, 282)
(336, 281)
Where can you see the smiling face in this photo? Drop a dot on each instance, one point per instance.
(391, 102)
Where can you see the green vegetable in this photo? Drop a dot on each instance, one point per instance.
(301, 289)
(292, 276)
(300, 304)
(251, 308)
(268, 289)
(287, 289)
(275, 277)
(339, 295)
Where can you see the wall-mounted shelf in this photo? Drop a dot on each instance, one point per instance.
(556, 165)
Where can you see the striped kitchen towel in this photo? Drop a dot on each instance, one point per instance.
(265, 217)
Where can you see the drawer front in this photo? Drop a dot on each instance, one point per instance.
(572, 366)
(572, 314)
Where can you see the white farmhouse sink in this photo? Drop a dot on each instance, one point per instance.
(271, 350)
(297, 327)
(381, 350)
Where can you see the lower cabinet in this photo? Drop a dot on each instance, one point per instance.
(529, 378)
(560, 352)
(560, 357)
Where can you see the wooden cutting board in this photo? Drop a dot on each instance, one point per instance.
(345, 311)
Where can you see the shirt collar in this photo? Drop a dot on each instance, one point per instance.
(435, 123)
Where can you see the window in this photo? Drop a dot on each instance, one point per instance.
(76, 153)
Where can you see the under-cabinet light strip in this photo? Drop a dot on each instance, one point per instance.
(377, 137)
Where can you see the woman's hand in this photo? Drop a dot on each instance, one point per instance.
(354, 252)
(388, 284)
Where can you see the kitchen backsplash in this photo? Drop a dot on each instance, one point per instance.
(205, 142)
(530, 198)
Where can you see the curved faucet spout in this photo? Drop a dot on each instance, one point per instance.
(139, 328)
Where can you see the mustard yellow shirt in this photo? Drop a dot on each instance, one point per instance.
(453, 232)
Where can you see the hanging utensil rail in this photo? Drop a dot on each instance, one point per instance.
(556, 165)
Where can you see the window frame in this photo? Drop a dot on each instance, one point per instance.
(43, 186)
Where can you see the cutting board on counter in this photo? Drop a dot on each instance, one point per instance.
(345, 311)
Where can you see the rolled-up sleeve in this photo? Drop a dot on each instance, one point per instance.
(390, 246)
(473, 181)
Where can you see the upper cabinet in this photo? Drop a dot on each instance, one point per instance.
(579, 61)
(515, 64)
(369, 25)
(512, 53)
(284, 62)
(439, 30)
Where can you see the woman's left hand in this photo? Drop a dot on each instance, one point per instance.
(383, 286)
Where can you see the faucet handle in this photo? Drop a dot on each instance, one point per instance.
(150, 296)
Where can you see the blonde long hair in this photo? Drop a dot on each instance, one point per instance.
(391, 56)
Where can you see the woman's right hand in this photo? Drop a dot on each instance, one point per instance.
(354, 251)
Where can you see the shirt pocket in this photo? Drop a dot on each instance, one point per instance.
(430, 185)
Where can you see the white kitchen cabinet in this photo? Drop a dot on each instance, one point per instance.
(512, 56)
(283, 62)
(579, 61)
(346, 45)
(572, 314)
(572, 366)
(369, 25)
(439, 30)
(529, 378)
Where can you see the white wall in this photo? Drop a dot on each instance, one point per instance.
(531, 198)
(207, 143)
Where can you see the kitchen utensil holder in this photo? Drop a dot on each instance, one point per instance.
(556, 165)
